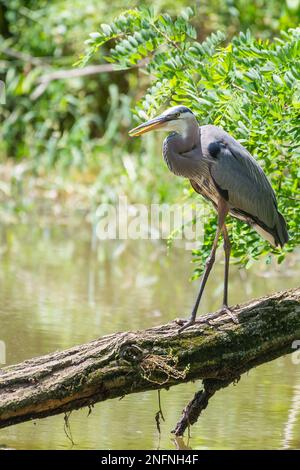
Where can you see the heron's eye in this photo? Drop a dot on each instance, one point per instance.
(177, 115)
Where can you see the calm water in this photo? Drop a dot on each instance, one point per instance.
(58, 290)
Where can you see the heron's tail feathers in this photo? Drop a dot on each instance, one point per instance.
(282, 235)
(278, 235)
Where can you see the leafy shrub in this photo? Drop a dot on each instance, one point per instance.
(249, 86)
(61, 128)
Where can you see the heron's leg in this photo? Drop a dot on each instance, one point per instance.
(222, 212)
(227, 249)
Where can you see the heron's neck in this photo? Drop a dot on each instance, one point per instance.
(188, 137)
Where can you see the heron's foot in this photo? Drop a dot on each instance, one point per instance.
(226, 309)
(185, 324)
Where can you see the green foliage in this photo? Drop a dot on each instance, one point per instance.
(58, 128)
(62, 127)
(78, 127)
(250, 87)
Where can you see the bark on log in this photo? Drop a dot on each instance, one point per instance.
(215, 349)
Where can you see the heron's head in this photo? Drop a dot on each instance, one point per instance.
(176, 119)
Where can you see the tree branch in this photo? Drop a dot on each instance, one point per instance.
(200, 401)
(22, 56)
(44, 80)
(62, 74)
(215, 350)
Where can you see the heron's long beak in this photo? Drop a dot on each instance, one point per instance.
(155, 123)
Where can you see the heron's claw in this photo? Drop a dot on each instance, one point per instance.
(186, 324)
(226, 309)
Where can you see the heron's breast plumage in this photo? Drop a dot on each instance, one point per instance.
(191, 164)
(203, 185)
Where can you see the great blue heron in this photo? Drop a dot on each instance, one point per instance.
(223, 171)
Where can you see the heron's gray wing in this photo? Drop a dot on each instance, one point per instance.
(240, 177)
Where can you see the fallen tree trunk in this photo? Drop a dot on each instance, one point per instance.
(214, 349)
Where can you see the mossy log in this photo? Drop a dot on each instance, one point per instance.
(215, 349)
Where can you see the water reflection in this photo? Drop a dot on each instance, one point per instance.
(182, 443)
(292, 420)
(59, 289)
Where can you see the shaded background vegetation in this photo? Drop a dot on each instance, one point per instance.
(64, 148)
(68, 140)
